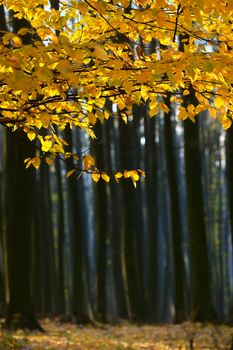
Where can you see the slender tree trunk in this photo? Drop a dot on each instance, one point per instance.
(202, 306)
(48, 244)
(18, 223)
(2, 265)
(229, 159)
(116, 222)
(151, 164)
(133, 286)
(61, 240)
(18, 201)
(79, 307)
(175, 210)
(101, 225)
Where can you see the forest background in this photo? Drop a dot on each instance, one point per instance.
(92, 95)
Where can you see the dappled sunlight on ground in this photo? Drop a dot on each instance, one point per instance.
(188, 336)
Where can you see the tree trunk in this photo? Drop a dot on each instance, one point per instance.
(202, 306)
(151, 164)
(18, 223)
(44, 239)
(133, 283)
(101, 226)
(2, 283)
(18, 201)
(61, 239)
(116, 222)
(229, 167)
(79, 307)
(175, 211)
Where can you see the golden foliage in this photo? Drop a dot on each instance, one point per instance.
(88, 52)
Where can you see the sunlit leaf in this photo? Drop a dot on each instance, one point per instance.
(46, 145)
(95, 176)
(70, 172)
(88, 161)
(105, 177)
(36, 161)
(31, 135)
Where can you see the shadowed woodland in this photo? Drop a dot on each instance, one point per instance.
(135, 254)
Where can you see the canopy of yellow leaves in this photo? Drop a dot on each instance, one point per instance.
(91, 51)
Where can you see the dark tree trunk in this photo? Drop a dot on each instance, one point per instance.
(2, 282)
(79, 307)
(61, 240)
(202, 306)
(229, 158)
(116, 222)
(133, 287)
(44, 247)
(151, 164)
(18, 205)
(229, 166)
(18, 223)
(175, 212)
(101, 226)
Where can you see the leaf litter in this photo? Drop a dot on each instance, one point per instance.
(124, 336)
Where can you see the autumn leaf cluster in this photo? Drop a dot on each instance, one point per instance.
(62, 68)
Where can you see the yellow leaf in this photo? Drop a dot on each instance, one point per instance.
(106, 115)
(57, 148)
(92, 118)
(226, 122)
(141, 172)
(36, 162)
(49, 161)
(88, 161)
(118, 176)
(105, 177)
(153, 105)
(127, 174)
(95, 177)
(23, 31)
(69, 173)
(186, 92)
(124, 118)
(26, 160)
(100, 53)
(213, 112)
(183, 114)
(144, 92)
(134, 175)
(91, 133)
(45, 119)
(46, 145)
(17, 42)
(219, 102)
(31, 135)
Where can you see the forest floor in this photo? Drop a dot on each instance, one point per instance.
(57, 336)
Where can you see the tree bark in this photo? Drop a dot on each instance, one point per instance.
(151, 164)
(18, 223)
(202, 306)
(175, 211)
(79, 307)
(18, 205)
(101, 226)
(133, 282)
